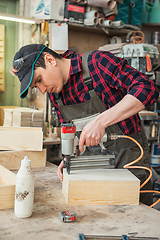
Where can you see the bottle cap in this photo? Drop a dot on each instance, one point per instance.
(26, 162)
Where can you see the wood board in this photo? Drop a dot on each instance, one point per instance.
(7, 188)
(12, 159)
(27, 117)
(2, 114)
(21, 138)
(101, 187)
(21, 117)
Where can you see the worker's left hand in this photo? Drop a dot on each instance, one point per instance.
(91, 134)
(60, 171)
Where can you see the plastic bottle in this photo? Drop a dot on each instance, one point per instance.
(24, 192)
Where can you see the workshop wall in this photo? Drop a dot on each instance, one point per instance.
(10, 36)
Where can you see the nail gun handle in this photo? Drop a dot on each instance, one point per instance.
(104, 138)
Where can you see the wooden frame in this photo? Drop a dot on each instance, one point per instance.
(21, 138)
(7, 188)
(101, 187)
(12, 159)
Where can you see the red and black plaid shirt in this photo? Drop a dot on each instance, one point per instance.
(112, 78)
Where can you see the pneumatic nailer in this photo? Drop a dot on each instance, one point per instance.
(73, 162)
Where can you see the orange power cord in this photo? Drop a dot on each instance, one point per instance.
(137, 37)
(128, 165)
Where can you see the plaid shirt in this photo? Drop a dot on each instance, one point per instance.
(112, 78)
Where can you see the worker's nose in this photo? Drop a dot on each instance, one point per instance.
(42, 89)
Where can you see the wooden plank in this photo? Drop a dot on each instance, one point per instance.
(1, 87)
(101, 187)
(12, 159)
(21, 138)
(7, 188)
(2, 112)
(2, 27)
(1, 43)
(2, 54)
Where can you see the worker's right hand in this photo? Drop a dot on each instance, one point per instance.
(60, 171)
(92, 133)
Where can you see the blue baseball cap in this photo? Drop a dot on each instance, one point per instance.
(23, 65)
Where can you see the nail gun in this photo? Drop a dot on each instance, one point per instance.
(71, 162)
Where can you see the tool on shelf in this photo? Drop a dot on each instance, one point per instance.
(141, 56)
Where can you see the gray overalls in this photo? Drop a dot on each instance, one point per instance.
(125, 150)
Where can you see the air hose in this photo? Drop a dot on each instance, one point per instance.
(129, 165)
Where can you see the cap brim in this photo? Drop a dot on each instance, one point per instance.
(25, 84)
(28, 77)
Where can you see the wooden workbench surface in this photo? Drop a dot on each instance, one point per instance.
(137, 221)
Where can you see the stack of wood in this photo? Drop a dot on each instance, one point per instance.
(18, 142)
(9, 112)
(23, 117)
(8, 116)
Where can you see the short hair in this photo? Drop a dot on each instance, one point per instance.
(41, 62)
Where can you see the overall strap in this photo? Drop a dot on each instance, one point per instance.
(89, 82)
(86, 75)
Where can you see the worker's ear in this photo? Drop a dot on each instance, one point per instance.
(49, 59)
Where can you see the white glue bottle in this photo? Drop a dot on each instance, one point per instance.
(24, 192)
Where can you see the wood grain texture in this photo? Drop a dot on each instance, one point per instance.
(101, 187)
(7, 188)
(21, 138)
(12, 159)
(2, 113)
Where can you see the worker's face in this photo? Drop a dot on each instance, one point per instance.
(48, 79)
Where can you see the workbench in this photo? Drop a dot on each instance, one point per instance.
(137, 221)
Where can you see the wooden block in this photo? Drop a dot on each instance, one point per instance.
(8, 117)
(7, 188)
(1, 43)
(101, 187)
(31, 117)
(2, 112)
(12, 159)
(21, 138)
(1, 54)
(1, 87)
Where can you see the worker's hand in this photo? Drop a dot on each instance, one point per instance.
(91, 134)
(60, 171)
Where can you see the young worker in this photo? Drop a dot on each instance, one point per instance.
(117, 91)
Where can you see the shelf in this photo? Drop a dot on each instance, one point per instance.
(96, 29)
(150, 24)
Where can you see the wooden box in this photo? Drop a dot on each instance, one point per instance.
(21, 138)
(12, 159)
(7, 188)
(102, 187)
